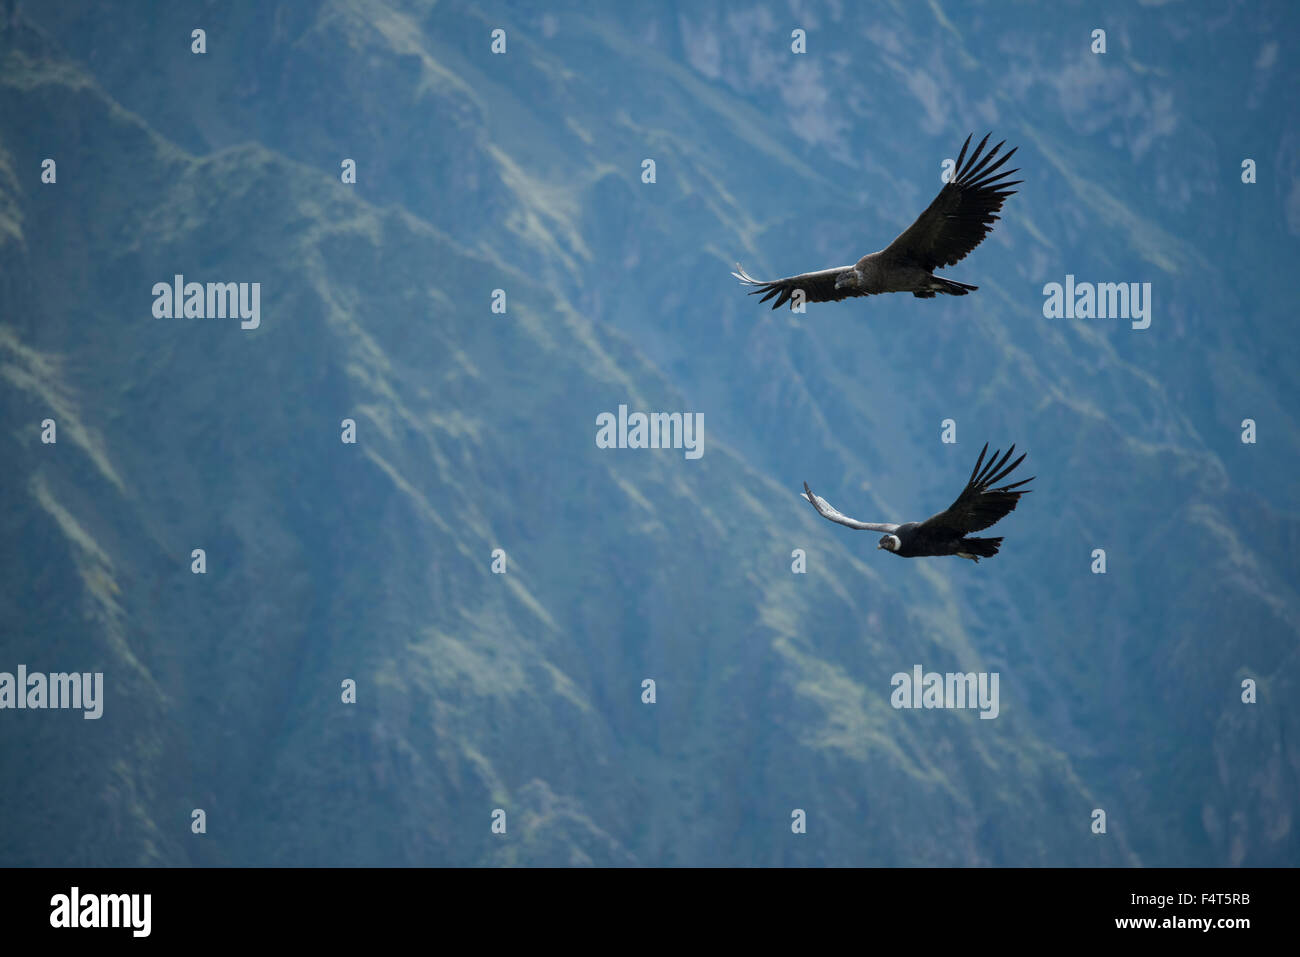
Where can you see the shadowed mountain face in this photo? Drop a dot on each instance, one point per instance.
(372, 562)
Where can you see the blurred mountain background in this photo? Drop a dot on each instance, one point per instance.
(476, 431)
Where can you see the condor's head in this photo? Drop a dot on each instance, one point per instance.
(849, 279)
(890, 543)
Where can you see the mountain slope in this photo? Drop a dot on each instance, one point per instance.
(476, 431)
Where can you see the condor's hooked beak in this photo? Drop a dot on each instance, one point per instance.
(880, 545)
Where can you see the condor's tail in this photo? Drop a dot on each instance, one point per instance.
(977, 548)
(954, 288)
(949, 287)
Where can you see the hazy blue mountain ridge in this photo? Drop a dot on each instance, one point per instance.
(521, 691)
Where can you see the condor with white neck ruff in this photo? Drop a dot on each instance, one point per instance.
(955, 223)
(976, 508)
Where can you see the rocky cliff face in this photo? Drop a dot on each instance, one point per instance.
(373, 561)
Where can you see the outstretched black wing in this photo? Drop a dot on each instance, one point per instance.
(980, 505)
(826, 510)
(816, 286)
(961, 215)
